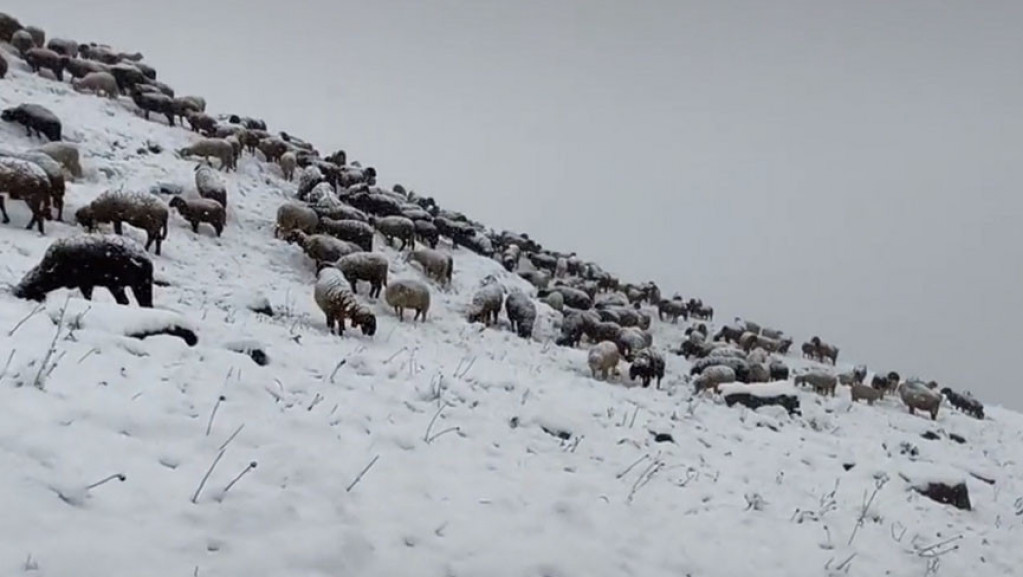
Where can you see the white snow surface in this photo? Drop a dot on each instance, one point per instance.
(449, 418)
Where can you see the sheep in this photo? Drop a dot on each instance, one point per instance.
(886, 383)
(604, 357)
(140, 210)
(713, 377)
(153, 102)
(759, 373)
(538, 278)
(351, 230)
(292, 216)
(63, 47)
(521, 313)
(272, 148)
(46, 59)
(197, 103)
(207, 125)
(146, 70)
(701, 312)
(778, 370)
(34, 118)
(408, 294)
(88, 261)
(78, 68)
(751, 340)
(8, 26)
(603, 331)
(917, 396)
(649, 364)
(22, 41)
(210, 185)
(437, 265)
(964, 402)
(673, 309)
(100, 83)
(510, 257)
(337, 302)
(575, 298)
(555, 300)
(288, 162)
(772, 333)
(131, 79)
(211, 147)
(631, 340)
(426, 233)
(38, 35)
(197, 210)
(399, 227)
(25, 180)
(855, 376)
(822, 383)
(322, 248)
(486, 304)
(370, 267)
(824, 350)
(53, 171)
(867, 393)
(809, 351)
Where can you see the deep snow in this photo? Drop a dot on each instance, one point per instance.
(487, 454)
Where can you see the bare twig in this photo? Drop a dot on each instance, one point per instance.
(426, 436)
(213, 413)
(231, 438)
(630, 467)
(7, 365)
(448, 430)
(38, 382)
(878, 485)
(206, 477)
(340, 364)
(120, 477)
(35, 311)
(359, 477)
(316, 401)
(87, 354)
(250, 467)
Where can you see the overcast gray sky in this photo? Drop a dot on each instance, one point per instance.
(847, 169)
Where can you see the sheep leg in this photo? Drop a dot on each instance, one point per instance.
(400, 312)
(219, 229)
(117, 227)
(119, 295)
(86, 291)
(195, 226)
(3, 211)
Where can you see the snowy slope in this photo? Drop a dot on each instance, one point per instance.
(460, 425)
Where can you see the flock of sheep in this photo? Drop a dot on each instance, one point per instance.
(336, 216)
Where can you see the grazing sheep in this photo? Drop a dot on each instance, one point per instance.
(34, 118)
(437, 265)
(323, 249)
(486, 304)
(198, 210)
(81, 68)
(427, 233)
(207, 125)
(210, 185)
(100, 83)
(25, 180)
(575, 298)
(65, 153)
(370, 267)
(631, 340)
(867, 393)
(759, 373)
(146, 70)
(561, 267)
(408, 294)
(22, 41)
(603, 331)
(823, 350)
(753, 400)
(701, 312)
(555, 300)
(538, 278)
(64, 47)
(713, 377)
(53, 171)
(673, 309)
(964, 402)
(88, 261)
(750, 340)
(211, 148)
(131, 79)
(822, 383)
(292, 216)
(772, 333)
(337, 302)
(604, 357)
(46, 59)
(917, 396)
(288, 162)
(649, 365)
(197, 103)
(351, 230)
(738, 365)
(398, 227)
(521, 313)
(140, 210)
(153, 102)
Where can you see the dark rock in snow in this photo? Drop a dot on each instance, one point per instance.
(956, 495)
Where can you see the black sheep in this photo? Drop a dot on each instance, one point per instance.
(128, 77)
(789, 402)
(648, 365)
(427, 233)
(376, 203)
(350, 230)
(964, 402)
(34, 118)
(154, 102)
(88, 261)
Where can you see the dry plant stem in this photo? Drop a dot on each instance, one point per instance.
(231, 438)
(38, 382)
(448, 430)
(630, 467)
(7, 365)
(250, 467)
(120, 477)
(206, 477)
(363, 472)
(213, 413)
(38, 308)
(426, 437)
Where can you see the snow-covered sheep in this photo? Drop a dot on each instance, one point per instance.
(88, 261)
(207, 148)
(759, 373)
(521, 313)
(292, 216)
(272, 148)
(100, 83)
(63, 46)
(138, 209)
(25, 180)
(778, 370)
(739, 366)
(351, 230)
(555, 300)
(750, 340)
(38, 35)
(209, 184)
(632, 340)
(427, 233)
(574, 297)
(538, 278)
(855, 376)
(338, 303)
(604, 357)
(561, 267)
(919, 397)
(53, 171)
(396, 227)
(672, 309)
(46, 59)
(368, 267)
(713, 377)
(603, 331)
(322, 248)
(8, 26)
(822, 383)
(153, 102)
(404, 294)
(22, 41)
(79, 68)
(288, 163)
(486, 304)
(197, 210)
(859, 391)
(36, 119)
(207, 125)
(510, 257)
(649, 365)
(437, 265)
(131, 79)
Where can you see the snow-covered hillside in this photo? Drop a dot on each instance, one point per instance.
(433, 449)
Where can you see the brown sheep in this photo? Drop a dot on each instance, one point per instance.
(200, 210)
(24, 180)
(140, 210)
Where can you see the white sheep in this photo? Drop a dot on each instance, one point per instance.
(436, 264)
(408, 294)
(65, 153)
(337, 302)
(98, 83)
(713, 377)
(604, 357)
(292, 216)
(209, 184)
